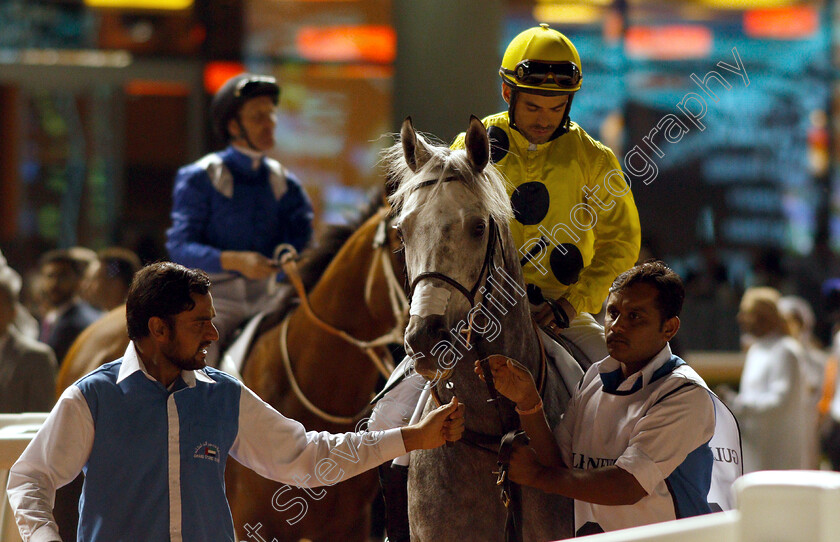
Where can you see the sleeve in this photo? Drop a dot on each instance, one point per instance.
(185, 239)
(39, 381)
(666, 434)
(617, 233)
(53, 459)
(783, 377)
(458, 142)
(397, 406)
(300, 214)
(281, 449)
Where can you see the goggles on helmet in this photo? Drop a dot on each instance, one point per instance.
(534, 73)
(246, 87)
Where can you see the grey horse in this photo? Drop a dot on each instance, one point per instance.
(468, 301)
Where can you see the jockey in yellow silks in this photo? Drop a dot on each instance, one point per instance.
(576, 223)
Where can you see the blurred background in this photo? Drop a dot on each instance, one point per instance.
(102, 100)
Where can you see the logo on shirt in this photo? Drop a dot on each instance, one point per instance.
(580, 461)
(725, 455)
(207, 450)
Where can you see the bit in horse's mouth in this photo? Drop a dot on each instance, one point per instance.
(438, 375)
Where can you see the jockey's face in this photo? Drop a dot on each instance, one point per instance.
(634, 328)
(537, 117)
(259, 118)
(190, 333)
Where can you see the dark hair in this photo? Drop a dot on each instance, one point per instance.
(64, 256)
(119, 263)
(161, 289)
(668, 284)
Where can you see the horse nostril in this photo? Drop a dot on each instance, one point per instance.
(422, 334)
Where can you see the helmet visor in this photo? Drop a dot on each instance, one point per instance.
(253, 86)
(533, 73)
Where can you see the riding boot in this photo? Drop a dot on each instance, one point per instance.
(394, 483)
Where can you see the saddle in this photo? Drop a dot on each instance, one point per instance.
(236, 352)
(557, 349)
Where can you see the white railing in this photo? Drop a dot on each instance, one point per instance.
(16, 430)
(777, 506)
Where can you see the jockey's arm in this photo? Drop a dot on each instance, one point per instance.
(252, 265)
(617, 236)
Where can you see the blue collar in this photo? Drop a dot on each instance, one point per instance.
(660, 365)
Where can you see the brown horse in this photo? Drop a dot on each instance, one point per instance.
(357, 290)
(352, 295)
(103, 341)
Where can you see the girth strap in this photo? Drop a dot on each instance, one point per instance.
(511, 492)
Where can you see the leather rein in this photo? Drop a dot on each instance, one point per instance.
(381, 359)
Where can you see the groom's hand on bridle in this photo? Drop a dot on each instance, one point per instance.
(524, 467)
(443, 424)
(511, 379)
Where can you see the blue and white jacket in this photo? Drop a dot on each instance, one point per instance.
(223, 202)
(154, 458)
(656, 424)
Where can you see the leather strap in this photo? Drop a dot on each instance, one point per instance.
(511, 493)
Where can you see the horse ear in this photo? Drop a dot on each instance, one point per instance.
(478, 144)
(414, 149)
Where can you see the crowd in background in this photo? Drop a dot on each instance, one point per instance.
(69, 290)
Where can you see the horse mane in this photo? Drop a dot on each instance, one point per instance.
(316, 259)
(489, 185)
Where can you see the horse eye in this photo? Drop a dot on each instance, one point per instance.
(478, 231)
(399, 233)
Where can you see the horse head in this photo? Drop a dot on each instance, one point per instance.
(452, 213)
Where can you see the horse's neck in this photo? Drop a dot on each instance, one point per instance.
(334, 374)
(517, 340)
(519, 337)
(339, 296)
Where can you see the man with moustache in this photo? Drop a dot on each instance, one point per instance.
(575, 221)
(633, 445)
(152, 431)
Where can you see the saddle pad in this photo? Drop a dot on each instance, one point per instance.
(234, 356)
(569, 369)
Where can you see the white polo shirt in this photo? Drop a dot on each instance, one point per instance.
(652, 425)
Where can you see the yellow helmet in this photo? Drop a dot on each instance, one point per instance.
(541, 60)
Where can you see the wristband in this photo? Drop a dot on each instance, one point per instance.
(536, 408)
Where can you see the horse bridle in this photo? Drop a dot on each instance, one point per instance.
(511, 493)
(493, 239)
(399, 307)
